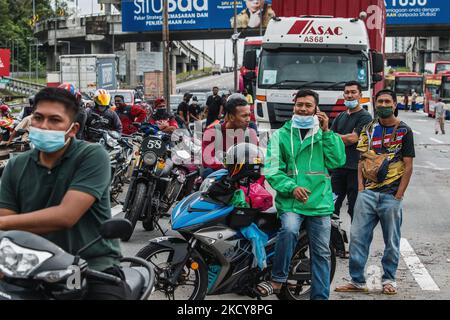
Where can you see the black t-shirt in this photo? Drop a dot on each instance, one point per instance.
(346, 123)
(193, 110)
(213, 103)
(183, 107)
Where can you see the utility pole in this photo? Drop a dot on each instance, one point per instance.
(203, 55)
(55, 44)
(225, 52)
(214, 51)
(166, 73)
(261, 21)
(235, 53)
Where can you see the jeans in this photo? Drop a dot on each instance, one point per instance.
(345, 183)
(371, 208)
(319, 231)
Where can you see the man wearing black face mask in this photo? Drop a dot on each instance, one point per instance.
(380, 199)
(162, 119)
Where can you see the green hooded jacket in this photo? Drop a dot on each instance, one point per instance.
(292, 162)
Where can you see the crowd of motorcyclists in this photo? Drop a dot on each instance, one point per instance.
(82, 156)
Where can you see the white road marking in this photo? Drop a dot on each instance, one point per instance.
(431, 167)
(436, 140)
(420, 120)
(116, 210)
(416, 267)
(417, 132)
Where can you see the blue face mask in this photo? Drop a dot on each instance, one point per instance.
(351, 104)
(302, 122)
(48, 141)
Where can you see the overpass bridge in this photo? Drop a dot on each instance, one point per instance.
(103, 34)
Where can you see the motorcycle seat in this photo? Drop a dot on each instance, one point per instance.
(136, 279)
(268, 221)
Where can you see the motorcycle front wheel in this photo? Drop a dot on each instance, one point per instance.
(192, 284)
(136, 207)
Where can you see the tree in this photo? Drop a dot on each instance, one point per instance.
(16, 22)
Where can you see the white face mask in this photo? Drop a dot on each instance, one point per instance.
(48, 141)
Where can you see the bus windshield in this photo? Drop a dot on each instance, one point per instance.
(291, 68)
(406, 84)
(446, 88)
(442, 67)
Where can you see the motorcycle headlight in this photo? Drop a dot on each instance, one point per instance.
(206, 184)
(150, 158)
(111, 142)
(19, 262)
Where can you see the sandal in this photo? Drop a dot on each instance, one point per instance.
(349, 287)
(389, 289)
(266, 289)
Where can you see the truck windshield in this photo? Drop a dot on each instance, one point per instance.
(403, 85)
(316, 69)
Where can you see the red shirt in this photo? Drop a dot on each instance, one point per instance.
(128, 115)
(209, 159)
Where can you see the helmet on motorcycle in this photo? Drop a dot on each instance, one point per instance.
(102, 98)
(71, 88)
(4, 109)
(244, 160)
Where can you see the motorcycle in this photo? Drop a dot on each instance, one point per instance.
(8, 151)
(157, 182)
(120, 151)
(211, 256)
(33, 268)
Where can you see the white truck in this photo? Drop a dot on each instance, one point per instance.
(216, 69)
(312, 52)
(89, 72)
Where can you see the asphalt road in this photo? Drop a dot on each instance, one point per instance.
(223, 81)
(424, 270)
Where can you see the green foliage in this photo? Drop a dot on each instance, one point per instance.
(16, 23)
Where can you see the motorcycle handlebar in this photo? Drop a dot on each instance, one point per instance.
(96, 275)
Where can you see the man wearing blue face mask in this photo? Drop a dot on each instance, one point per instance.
(60, 189)
(348, 126)
(299, 156)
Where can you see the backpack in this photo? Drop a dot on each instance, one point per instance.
(375, 166)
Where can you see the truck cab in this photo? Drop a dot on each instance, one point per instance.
(311, 52)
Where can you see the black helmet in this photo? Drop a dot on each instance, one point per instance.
(244, 160)
(31, 100)
(235, 100)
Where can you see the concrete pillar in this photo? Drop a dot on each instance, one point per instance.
(174, 62)
(435, 47)
(98, 47)
(131, 49)
(148, 47)
(107, 8)
(184, 67)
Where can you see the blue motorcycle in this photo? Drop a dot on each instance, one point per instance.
(210, 256)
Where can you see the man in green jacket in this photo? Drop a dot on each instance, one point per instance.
(297, 162)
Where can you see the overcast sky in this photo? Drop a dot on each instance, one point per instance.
(91, 6)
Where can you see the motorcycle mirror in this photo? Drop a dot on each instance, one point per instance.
(116, 229)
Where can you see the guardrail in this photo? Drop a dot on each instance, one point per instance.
(21, 86)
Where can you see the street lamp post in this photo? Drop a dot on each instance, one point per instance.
(235, 39)
(166, 72)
